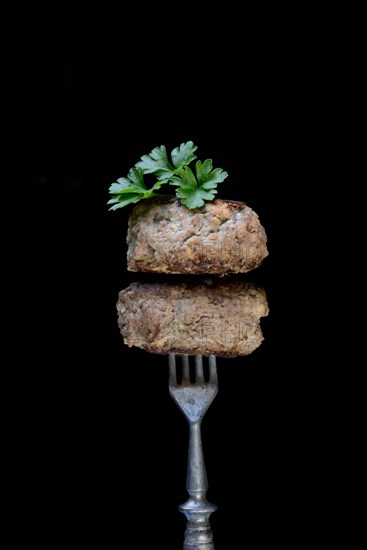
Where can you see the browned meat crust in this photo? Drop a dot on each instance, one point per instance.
(221, 238)
(206, 316)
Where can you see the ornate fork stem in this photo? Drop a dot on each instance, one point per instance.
(198, 533)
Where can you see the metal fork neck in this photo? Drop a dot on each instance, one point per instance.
(196, 482)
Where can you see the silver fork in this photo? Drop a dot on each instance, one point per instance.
(194, 398)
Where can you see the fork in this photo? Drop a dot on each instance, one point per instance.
(194, 398)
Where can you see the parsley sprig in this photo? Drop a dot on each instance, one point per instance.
(131, 189)
(193, 189)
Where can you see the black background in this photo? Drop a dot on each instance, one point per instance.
(99, 446)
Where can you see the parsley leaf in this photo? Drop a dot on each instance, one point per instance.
(157, 161)
(131, 189)
(192, 191)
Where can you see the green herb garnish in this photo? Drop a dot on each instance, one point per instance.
(192, 189)
(131, 189)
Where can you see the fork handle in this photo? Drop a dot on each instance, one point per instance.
(198, 533)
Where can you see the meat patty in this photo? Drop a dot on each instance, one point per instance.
(221, 238)
(204, 316)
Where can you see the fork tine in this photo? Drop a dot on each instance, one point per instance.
(172, 369)
(185, 369)
(199, 373)
(213, 376)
